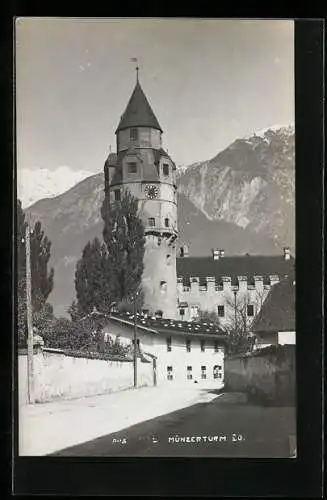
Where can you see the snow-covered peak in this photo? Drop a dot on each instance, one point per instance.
(287, 129)
(35, 184)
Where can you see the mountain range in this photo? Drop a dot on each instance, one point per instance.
(242, 200)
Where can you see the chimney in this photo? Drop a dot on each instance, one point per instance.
(216, 254)
(287, 253)
(183, 251)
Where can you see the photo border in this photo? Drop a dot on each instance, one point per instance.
(300, 477)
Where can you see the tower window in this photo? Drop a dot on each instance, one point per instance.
(132, 168)
(169, 373)
(166, 222)
(117, 194)
(168, 344)
(203, 345)
(151, 221)
(188, 345)
(165, 169)
(221, 311)
(189, 373)
(133, 134)
(250, 310)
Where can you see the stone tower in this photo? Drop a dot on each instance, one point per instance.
(142, 166)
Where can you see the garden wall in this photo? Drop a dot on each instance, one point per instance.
(61, 376)
(267, 375)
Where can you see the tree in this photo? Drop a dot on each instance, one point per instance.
(123, 234)
(41, 277)
(92, 283)
(239, 324)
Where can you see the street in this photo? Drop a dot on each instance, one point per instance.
(227, 426)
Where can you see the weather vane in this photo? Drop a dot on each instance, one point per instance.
(134, 59)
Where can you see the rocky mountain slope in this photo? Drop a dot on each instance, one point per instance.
(250, 184)
(242, 201)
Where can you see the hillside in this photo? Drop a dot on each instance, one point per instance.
(242, 201)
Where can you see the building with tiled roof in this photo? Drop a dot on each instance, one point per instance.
(223, 284)
(185, 352)
(275, 322)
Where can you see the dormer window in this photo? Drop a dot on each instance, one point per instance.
(132, 167)
(133, 134)
(165, 169)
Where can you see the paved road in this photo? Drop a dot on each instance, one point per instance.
(228, 426)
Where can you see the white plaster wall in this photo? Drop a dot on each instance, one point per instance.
(212, 297)
(178, 357)
(286, 338)
(60, 376)
(147, 137)
(158, 268)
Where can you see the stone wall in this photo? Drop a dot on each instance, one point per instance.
(59, 376)
(268, 375)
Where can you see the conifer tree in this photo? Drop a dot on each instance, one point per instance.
(123, 234)
(91, 280)
(42, 278)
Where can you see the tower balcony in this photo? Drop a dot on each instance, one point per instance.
(161, 231)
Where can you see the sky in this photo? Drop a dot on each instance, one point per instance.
(209, 82)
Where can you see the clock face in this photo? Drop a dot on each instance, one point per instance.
(151, 192)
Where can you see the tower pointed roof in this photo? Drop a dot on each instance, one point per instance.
(138, 112)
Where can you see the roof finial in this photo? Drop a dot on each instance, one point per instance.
(134, 59)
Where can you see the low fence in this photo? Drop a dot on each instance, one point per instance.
(62, 375)
(267, 375)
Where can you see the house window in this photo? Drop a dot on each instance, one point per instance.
(250, 310)
(189, 373)
(188, 345)
(132, 168)
(221, 311)
(166, 222)
(165, 169)
(133, 134)
(117, 194)
(194, 311)
(170, 373)
(168, 344)
(203, 372)
(217, 371)
(182, 312)
(151, 221)
(203, 345)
